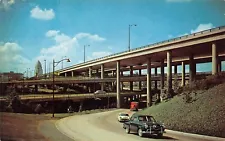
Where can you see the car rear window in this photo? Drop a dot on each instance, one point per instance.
(124, 115)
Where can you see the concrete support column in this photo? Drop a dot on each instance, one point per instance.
(118, 83)
(162, 74)
(65, 74)
(139, 84)
(169, 74)
(183, 74)
(102, 76)
(149, 95)
(214, 59)
(192, 71)
(36, 88)
(175, 69)
(89, 87)
(72, 73)
(219, 65)
(156, 86)
(97, 73)
(90, 72)
(121, 74)
(131, 74)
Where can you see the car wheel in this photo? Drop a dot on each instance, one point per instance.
(128, 129)
(159, 135)
(140, 133)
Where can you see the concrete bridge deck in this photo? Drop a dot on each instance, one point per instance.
(74, 97)
(80, 80)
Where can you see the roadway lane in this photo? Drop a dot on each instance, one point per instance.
(104, 126)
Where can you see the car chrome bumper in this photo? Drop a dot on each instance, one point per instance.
(124, 119)
(153, 132)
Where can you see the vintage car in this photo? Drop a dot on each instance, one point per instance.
(122, 117)
(143, 125)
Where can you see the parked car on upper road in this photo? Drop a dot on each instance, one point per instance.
(100, 92)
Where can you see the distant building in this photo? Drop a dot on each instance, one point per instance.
(38, 69)
(9, 76)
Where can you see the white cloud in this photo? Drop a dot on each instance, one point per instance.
(5, 4)
(57, 36)
(11, 58)
(45, 14)
(51, 33)
(202, 27)
(178, 0)
(66, 45)
(94, 37)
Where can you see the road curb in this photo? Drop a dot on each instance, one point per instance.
(195, 135)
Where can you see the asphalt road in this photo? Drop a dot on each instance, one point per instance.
(104, 126)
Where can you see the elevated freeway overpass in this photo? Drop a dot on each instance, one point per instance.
(201, 47)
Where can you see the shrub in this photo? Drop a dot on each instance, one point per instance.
(208, 82)
(187, 98)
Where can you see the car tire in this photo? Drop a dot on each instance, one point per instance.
(140, 132)
(128, 129)
(159, 135)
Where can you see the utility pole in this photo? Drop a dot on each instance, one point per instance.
(84, 51)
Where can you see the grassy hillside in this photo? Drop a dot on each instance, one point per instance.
(203, 114)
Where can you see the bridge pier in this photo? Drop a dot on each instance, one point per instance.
(183, 74)
(131, 74)
(121, 82)
(175, 69)
(118, 84)
(169, 74)
(65, 74)
(192, 71)
(72, 75)
(139, 84)
(219, 65)
(102, 76)
(36, 88)
(65, 87)
(156, 83)
(214, 59)
(149, 95)
(162, 78)
(90, 72)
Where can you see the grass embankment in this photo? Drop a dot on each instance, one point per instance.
(203, 114)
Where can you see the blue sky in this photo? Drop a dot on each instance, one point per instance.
(34, 30)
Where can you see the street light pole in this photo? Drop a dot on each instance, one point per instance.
(53, 83)
(84, 51)
(129, 35)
